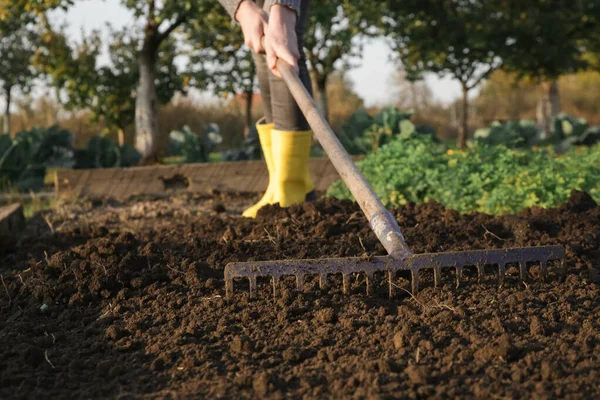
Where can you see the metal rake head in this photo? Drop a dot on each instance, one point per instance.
(300, 269)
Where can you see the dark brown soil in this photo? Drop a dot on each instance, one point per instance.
(127, 300)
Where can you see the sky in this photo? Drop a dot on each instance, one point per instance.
(371, 79)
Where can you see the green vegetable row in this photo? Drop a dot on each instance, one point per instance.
(485, 178)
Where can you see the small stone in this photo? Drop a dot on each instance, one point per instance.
(157, 365)
(326, 315)
(219, 208)
(114, 333)
(417, 374)
(399, 340)
(290, 354)
(241, 344)
(536, 327)
(261, 383)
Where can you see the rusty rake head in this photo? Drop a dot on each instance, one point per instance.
(322, 268)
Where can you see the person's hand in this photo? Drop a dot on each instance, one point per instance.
(280, 38)
(253, 21)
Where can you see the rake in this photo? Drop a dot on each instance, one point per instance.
(385, 227)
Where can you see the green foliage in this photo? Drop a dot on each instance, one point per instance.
(103, 152)
(546, 36)
(193, 147)
(511, 133)
(363, 134)
(107, 91)
(490, 179)
(24, 159)
(218, 60)
(16, 51)
(566, 132)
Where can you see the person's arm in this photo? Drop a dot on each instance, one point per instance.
(293, 4)
(231, 6)
(280, 36)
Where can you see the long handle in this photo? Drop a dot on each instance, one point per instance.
(382, 222)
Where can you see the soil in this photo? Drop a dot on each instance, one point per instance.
(127, 300)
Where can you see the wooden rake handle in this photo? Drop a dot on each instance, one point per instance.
(382, 222)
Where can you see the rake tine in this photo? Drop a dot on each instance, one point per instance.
(275, 285)
(322, 281)
(346, 283)
(523, 270)
(543, 270)
(391, 291)
(300, 282)
(501, 273)
(369, 284)
(459, 271)
(228, 288)
(437, 276)
(415, 280)
(252, 280)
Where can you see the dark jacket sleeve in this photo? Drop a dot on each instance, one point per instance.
(232, 5)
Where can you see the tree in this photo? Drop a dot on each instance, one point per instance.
(335, 34)
(219, 61)
(459, 38)
(16, 51)
(545, 42)
(114, 98)
(160, 20)
(109, 91)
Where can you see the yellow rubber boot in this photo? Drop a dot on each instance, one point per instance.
(291, 151)
(264, 135)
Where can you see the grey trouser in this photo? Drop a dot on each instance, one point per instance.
(280, 107)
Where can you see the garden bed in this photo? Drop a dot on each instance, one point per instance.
(127, 300)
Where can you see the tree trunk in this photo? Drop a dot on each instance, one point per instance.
(121, 137)
(321, 99)
(7, 122)
(548, 105)
(464, 129)
(146, 107)
(249, 98)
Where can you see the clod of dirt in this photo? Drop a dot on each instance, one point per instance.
(114, 333)
(399, 339)
(417, 374)
(326, 315)
(500, 349)
(295, 354)
(580, 202)
(536, 327)
(262, 383)
(33, 356)
(242, 344)
(219, 208)
(158, 364)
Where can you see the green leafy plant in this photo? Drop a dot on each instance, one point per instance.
(511, 133)
(103, 152)
(363, 134)
(484, 178)
(193, 147)
(566, 131)
(24, 159)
